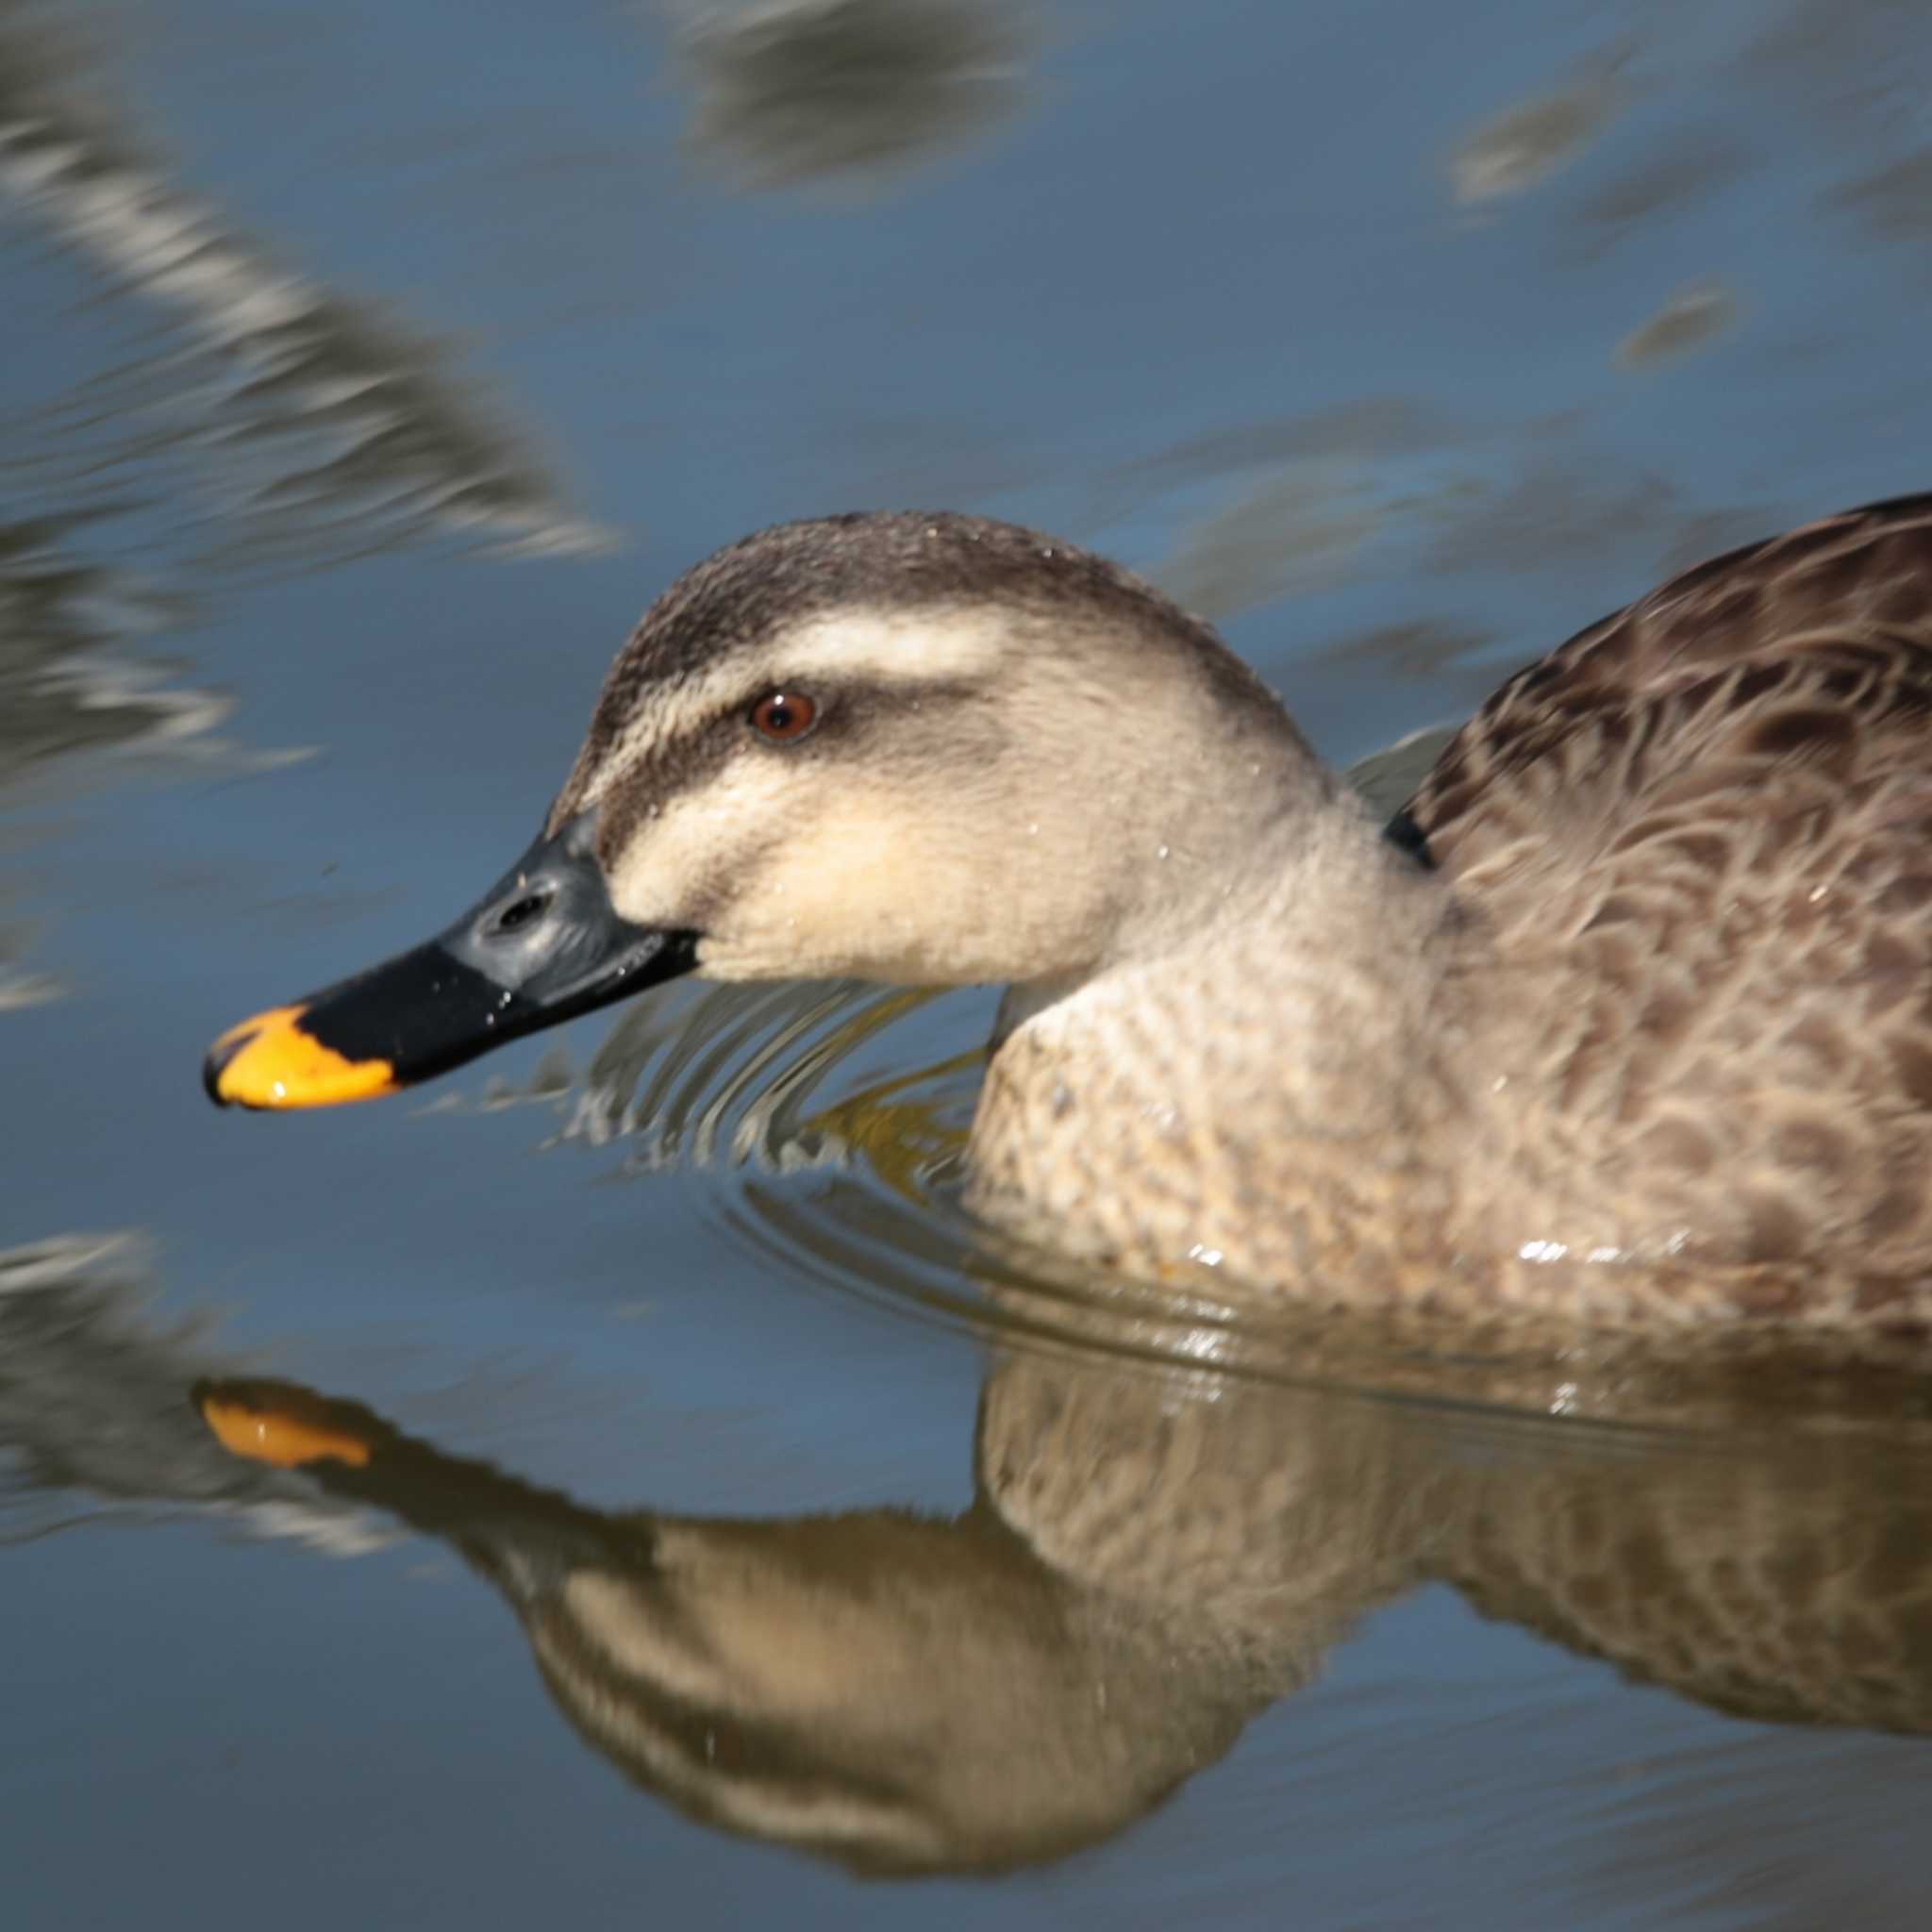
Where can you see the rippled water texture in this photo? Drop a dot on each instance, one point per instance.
(619, 1481)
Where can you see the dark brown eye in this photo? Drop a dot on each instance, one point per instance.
(783, 716)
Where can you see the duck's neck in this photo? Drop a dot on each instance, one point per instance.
(1283, 1028)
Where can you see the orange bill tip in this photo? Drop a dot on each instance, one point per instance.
(272, 1061)
(281, 1438)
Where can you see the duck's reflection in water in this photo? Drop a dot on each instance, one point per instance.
(1150, 1561)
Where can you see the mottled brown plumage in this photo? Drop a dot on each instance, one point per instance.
(1630, 1021)
(1708, 823)
(1656, 1041)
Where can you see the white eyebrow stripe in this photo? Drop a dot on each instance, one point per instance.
(933, 641)
(929, 645)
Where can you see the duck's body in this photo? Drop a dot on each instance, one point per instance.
(1252, 1098)
(1634, 1020)
(1652, 1038)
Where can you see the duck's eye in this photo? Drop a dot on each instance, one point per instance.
(784, 716)
(520, 912)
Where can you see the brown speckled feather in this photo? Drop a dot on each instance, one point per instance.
(1705, 826)
(1657, 1042)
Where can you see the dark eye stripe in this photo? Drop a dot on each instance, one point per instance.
(686, 760)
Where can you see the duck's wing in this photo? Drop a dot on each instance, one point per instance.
(1811, 653)
(1701, 829)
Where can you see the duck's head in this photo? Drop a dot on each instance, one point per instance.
(920, 749)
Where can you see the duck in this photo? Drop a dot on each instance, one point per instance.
(1625, 1017)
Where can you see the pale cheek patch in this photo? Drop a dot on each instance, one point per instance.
(810, 905)
(686, 865)
(875, 892)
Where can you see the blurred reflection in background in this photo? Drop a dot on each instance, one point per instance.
(797, 91)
